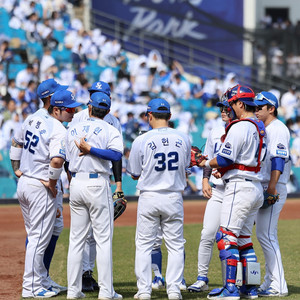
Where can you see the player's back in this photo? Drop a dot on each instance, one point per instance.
(42, 138)
(98, 134)
(165, 154)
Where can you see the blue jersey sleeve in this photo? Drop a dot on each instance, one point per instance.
(278, 164)
(224, 161)
(107, 154)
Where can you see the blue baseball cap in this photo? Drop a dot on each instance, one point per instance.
(158, 105)
(264, 98)
(100, 86)
(49, 87)
(100, 100)
(64, 98)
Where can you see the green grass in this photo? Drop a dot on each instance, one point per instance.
(124, 250)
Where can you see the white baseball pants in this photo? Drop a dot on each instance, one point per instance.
(266, 231)
(154, 210)
(90, 203)
(39, 211)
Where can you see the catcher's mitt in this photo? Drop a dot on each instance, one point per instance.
(196, 156)
(269, 199)
(120, 204)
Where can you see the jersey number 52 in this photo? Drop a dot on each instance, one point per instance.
(31, 141)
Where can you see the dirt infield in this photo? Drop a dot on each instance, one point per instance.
(12, 236)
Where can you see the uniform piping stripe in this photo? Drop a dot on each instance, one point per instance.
(277, 259)
(46, 208)
(231, 205)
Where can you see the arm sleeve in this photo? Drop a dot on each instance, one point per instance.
(107, 154)
(117, 170)
(278, 164)
(223, 161)
(207, 172)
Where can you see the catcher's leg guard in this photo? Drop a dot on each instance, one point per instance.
(229, 255)
(251, 269)
(156, 257)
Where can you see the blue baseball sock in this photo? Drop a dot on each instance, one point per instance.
(156, 257)
(49, 252)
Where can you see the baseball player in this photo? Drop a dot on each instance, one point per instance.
(45, 90)
(238, 160)
(89, 284)
(214, 191)
(158, 160)
(276, 173)
(41, 153)
(90, 146)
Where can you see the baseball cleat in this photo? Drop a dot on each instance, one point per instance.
(82, 295)
(43, 293)
(117, 296)
(200, 285)
(174, 296)
(248, 292)
(270, 292)
(87, 284)
(142, 296)
(224, 294)
(158, 283)
(56, 285)
(182, 285)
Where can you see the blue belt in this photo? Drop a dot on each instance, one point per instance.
(228, 180)
(91, 175)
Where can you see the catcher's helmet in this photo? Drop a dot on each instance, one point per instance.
(242, 93)
(263, 98)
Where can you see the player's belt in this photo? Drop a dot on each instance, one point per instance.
(235, 179)
(91, 175)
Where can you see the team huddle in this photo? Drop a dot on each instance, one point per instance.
(246, 166)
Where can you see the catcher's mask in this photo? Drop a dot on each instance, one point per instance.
(241, 93)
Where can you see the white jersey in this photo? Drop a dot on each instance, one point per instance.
(241, 146)
(98, 134)
(278, 141)
(160, 157)
(212, 147)
(42, 138)
(84, 115)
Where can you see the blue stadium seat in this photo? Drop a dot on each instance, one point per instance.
(18, 33)
(59, 35)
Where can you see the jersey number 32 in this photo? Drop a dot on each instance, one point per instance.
(169, 160)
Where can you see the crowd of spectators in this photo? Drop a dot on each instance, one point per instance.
(134, 79)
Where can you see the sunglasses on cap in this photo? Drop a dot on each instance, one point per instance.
(261, 97)
(70, 110)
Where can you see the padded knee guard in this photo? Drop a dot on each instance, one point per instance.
(229, 255)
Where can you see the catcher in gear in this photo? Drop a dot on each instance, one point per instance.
(120, 204)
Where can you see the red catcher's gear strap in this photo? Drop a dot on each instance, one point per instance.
(242, 167)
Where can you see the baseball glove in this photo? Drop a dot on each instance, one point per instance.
(120, 204)
(196, 156)
(269, 199)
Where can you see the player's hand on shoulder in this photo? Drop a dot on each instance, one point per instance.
(83, 146)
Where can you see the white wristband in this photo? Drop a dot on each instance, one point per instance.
(207, 164)
(15, 153)
(54, 173)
